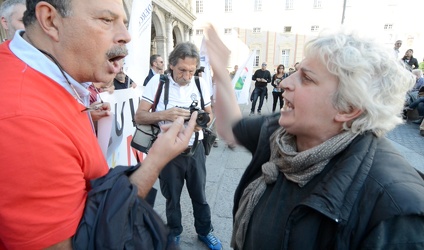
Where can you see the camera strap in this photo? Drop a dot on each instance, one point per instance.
(202, 103)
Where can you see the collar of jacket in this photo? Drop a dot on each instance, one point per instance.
(336, 194)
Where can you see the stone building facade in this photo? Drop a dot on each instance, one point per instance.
(172, 22)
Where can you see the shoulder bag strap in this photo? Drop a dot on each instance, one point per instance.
(163, 79)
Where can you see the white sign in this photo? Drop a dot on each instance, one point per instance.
(137, 63)
(115, 132)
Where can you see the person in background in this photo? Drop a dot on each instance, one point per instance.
(410, 60)
(188, 167)
(233, 73)
(49, 151)
(396, 48)
(322, 174)
(156, 67)
(414, 97)
(261, 77)
(421, 66)
(296, 66)
(11, 14)
(277, 91)
(122, 81)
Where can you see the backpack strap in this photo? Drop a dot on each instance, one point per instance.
(163, 79)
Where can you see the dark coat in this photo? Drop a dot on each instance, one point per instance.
(148, 77)
(116, 218)
(259, 73)
(412, 61)
(370, 198)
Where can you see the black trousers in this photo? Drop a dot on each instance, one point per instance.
(192, 169)
(275, 97)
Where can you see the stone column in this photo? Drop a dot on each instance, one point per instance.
(170, 40)
(161, 49)
(186, 34)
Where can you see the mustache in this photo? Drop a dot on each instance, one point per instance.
(117, 51)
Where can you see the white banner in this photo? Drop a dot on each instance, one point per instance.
(242, 80)
(115, 132)
(204, 61)
(137, 63)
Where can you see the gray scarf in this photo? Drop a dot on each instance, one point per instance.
(299, 167)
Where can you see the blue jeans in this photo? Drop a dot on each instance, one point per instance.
(419, 105)
(258, 92)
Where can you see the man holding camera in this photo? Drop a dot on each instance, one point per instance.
(190, 166)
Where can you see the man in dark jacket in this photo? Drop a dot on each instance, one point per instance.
(156, 67)
(262, 77)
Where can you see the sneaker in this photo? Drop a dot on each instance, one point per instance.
(259, 113)
(251, 113)
(173, 240)
(211, 241)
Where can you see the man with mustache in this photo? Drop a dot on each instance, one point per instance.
(49, 153)
(189, 166)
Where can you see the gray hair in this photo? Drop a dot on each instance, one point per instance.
(6, 9)
(62, 6)
(181, 51)
(370, 79)
(417, 72)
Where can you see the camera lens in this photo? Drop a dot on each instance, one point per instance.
(203, 119)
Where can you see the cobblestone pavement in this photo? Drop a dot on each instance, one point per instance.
(225, 167)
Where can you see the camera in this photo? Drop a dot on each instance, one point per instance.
(203, 117)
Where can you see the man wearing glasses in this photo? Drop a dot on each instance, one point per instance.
(156, 67)
(261, 77)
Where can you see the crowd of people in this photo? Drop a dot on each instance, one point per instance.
(322, 173)
(414, 99)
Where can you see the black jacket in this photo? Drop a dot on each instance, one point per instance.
(412, 62)
(265, 74)
(370, 198)
(148, 77)
(116, 218)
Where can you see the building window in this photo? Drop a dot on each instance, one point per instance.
(199, 32)
(388, 26)
(227, 31)
(314, 28)
(285, 57)
(256, 59)
(287, 29)
(289, 4)
(228, 6)
(258, 5)
(256, 30)
(199, 6)
(317, 4)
